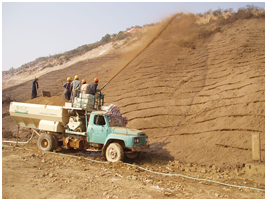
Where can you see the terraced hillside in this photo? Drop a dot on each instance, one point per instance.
(198, 91)
(198, 104)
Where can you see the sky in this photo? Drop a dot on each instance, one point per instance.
(38, 29)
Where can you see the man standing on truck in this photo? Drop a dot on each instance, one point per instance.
(84, 87)
(76, 85)
(68, 88)
(93, 87)
(35, 87)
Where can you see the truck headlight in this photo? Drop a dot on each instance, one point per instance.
(136, 140)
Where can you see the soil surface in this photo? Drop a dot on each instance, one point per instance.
(197, 91)
(66, 174)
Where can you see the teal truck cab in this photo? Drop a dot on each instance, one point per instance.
(114, 141)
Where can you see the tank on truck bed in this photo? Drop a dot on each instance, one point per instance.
(43, 117)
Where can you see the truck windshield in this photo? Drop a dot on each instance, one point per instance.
(115, 121)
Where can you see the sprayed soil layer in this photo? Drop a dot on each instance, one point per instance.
(54, 100)
(197, 91)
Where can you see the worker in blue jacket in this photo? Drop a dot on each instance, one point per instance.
(35, 87)
(67, 89)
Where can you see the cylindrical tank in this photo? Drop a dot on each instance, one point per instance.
(30, 115)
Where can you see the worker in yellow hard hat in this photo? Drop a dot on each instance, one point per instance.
(67, 89)
(84, 87)
(76, 85)
(93, 87)
(35, 87)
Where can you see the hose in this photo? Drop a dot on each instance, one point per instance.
(142, 50)
(167, 174)
(33, 131)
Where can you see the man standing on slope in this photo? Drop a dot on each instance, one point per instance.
(68, 88)
(93, 87)
(35, 87)
(84, 87)
(76, 85)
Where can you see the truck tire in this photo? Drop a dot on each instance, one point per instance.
(55, 142)
(114, 152)
(132, 155)
(46, 142)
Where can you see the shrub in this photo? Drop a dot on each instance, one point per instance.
(105, 39)
(121, 35)
(217, 12)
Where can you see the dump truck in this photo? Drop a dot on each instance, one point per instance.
(83, 128)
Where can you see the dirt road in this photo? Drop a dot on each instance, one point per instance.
(31, 174)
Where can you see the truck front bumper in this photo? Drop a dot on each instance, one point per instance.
(140, 148)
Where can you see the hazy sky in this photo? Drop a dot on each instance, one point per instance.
(32, 30)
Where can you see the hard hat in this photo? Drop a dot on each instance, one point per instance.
(83, 81)
(37, 77)
(68, 79)
(76, 77)
(96, 79)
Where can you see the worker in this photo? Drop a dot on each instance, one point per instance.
(93, 87)
(75, 85)
(35, 87)
(84, 87)
(67, 89)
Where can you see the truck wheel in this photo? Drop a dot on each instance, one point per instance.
(45, 142)
(132, 155)
(55, 142)
(114, 152)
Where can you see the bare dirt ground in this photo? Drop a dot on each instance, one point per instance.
(199, 94)
(31, 174)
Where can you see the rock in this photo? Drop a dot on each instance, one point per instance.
(203, 170)
(43, 160)
(134, 177)
(187, 169)
(105, 193)
(51, 175)
(217, 195)
(167, 193)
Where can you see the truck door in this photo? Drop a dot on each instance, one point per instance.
(99, 129)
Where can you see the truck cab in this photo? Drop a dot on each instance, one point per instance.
(114, 140)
